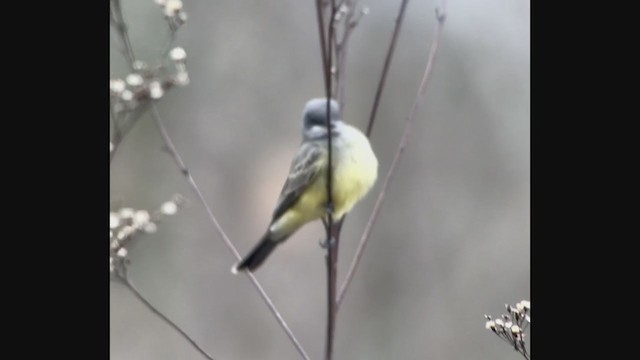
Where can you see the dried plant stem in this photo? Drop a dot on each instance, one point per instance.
(192, 183)
(118, 20)
(387, 63)
(129, 285)
(440, 16)
(332, 230)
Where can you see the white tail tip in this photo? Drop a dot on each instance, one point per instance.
(234, 269)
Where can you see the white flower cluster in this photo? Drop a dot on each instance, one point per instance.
(510, 327)
(173, 11)
(126, 222)
(148, 83)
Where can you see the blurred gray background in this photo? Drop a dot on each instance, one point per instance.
(451, 244)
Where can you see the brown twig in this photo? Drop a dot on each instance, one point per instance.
(129, 285)
(194, 186)
(387, 63)
(440, 16)
(118, 19)
(333, 230)
(341, 47)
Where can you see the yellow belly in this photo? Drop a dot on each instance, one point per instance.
(355, 170)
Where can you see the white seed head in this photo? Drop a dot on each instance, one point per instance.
(161, 2)
(150, 228)
(169, 208)
(526, 304)
(125, 232)
(155, 90)
(139, 65)
(126, 95)
(499, 322)
(515, 329)
(117, 85)
(134, 79)
(126, 213)
(508, 324)
(171, 7)
(182, 78)
(122, 252)
(141, 217)
(114, 220)
(490, 325)
(178, 54)
(182, 16)
(519, 306)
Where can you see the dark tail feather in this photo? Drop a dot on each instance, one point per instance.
(257, 256)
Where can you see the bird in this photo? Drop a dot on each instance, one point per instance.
(304, 195)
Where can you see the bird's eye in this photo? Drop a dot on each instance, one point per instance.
(316, 119)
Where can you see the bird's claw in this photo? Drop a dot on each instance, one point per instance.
(326, 244)
(329, 209)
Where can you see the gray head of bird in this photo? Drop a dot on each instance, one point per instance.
(315, 117)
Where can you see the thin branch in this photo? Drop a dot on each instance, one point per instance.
(332, 231)
(387, 63)
(185, 171)
(341, 53)
(121, 26)
(323, 48)
(134, 290)
(440, 16)
(122, 29)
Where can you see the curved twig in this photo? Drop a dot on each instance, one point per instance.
(440, 16)
(118, 20)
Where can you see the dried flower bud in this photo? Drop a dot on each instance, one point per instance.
(155, 90)
(126, 213)
(134, 79)
(150, 228)
(125, 232)
(169, 208)
(141, 217)
(178, 54)
(139, 65)
(172, 7)
(182, 78)
(126, 95)
(490, 325)
(117, 86)
(114, 220)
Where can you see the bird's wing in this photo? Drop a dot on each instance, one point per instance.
(305, 168)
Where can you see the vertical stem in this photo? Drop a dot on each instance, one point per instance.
(404, 141)
(387, 63)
